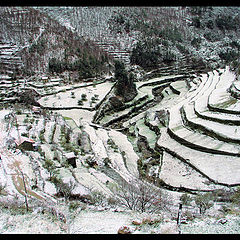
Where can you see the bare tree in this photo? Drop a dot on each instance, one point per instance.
(141, 196)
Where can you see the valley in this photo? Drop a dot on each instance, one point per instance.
(81, 139)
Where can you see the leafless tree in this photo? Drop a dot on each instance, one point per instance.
(141, 196)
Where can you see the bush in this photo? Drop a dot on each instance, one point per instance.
(189, 215)
(185, 199)
(196, 42)
(38, 47)
(2, 187)
(72, 95)
(210, 24)
(55, 65)
(18, 111)
(64, 189)
(171, 34)
(84, 97)
(235, 197)
(228, 55)
(168, 57)
(182, 48)
(235, 44)
(112, 201)
(227, 22)
(97, 198)
(203, 201)
(80, 102)
(196, 22)
(50, 166)
(145, 54)
(74, 206)
(212, 36)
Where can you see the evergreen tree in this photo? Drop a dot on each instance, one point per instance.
(125, 86)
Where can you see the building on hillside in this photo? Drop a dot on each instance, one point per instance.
(71, 158)
(25, 143)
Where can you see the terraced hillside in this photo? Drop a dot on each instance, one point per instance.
(203, 36)
(206, 146)
(180, 131)
(31, 42)
(67, 137)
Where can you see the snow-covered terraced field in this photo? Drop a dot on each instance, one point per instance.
(168, 126)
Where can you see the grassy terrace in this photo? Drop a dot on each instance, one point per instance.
(221, 168)
(202, 111)
(184, 175)
(229, 133)
(144, 130)
(190, 136)
(145, 90)
(88, 95)
(220, 99)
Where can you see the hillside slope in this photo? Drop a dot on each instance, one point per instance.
(44, 45)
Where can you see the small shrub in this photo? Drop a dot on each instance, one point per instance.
(225, 210)
(196, 22)
(212, 36)
(93, 99)
(19, 111)
(196, 42)
(185, 199)
(235, 197)
(189, 215)
(2, 187)
(41, 137)
(203, 202)
(84, 97)
(50, 166)
(112, 201)
(210, 24)
(182, 48)
(74, 206)
(106, 161)
(80, 102)
(97, 198)
(152, 221)
(26, 120)
(227, 22)
(73, 95)
(228, 55)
